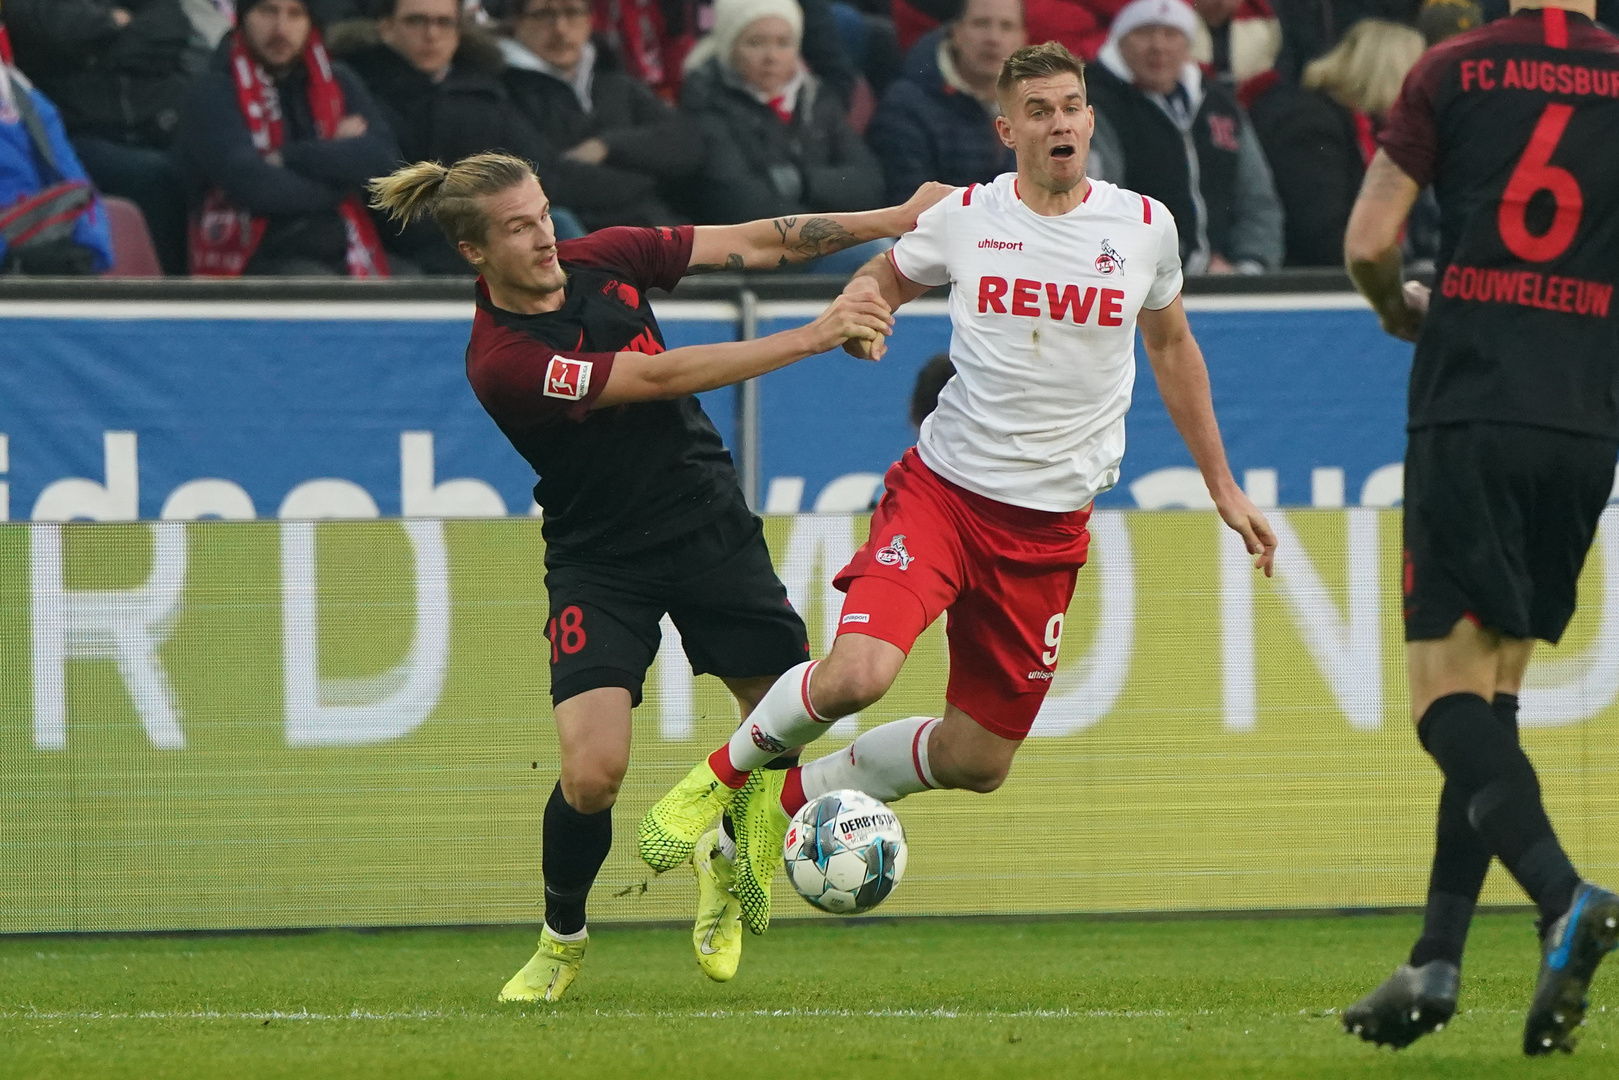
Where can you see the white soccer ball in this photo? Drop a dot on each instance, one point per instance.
(845, 852)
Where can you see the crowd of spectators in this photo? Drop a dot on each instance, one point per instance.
(245, 130)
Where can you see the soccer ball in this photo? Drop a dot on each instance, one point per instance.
(845, 852)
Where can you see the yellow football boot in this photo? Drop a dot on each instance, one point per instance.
(669, 831)
(761, 826)
(547, 976)
(717, 935)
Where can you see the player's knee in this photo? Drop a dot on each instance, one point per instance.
(592, 788)
(850, 684)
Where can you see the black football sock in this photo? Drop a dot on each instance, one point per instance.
(574, 847)
(1460, 863)
(1502, 794)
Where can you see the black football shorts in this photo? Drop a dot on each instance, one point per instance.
(1498, 520)
(718, 586)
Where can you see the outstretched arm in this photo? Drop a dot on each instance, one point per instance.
(1183, 383)
(695, 368)
(767, 244)
(1372, 247)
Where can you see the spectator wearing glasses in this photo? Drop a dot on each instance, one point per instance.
(631, 152)
(938, 121)
(438, 81)
(277, 144)
(777, 142)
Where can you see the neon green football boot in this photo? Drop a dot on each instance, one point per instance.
(717, 934)
(761, 826)
(547, 976)
(669, 831)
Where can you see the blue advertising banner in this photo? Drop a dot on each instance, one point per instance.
(263, 410)
(115, 411)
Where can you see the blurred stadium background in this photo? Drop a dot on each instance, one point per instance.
(330, 709)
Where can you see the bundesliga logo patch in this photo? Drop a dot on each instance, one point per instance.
(895, 554)
(1110, 261)
(567, 379)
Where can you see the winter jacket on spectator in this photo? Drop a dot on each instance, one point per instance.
(645, 136)
(1318, 153)
(760, 167)
(1321, 136)
(50, 220)
(1232, 211)
(299, 197)
(930, 127)
(653, 38)
(126, 84)
(466, 112)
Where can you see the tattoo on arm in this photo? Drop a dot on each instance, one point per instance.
(815, 237)
(732, 263)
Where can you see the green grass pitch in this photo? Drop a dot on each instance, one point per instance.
(926, 998)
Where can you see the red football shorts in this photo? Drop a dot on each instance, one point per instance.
(1004, 573)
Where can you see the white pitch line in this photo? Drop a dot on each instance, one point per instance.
(623, 1014)
(689, 1014)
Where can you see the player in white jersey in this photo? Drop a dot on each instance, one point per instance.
(985, 519)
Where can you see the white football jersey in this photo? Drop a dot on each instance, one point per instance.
(1043, 335)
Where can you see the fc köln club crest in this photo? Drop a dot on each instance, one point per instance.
(1110, 261)
(895, 554)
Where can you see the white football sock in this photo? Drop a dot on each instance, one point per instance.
(887, 763)
(783, 721)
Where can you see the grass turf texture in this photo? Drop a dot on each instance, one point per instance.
(1219, 998)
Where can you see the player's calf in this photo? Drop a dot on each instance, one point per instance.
(964, 754)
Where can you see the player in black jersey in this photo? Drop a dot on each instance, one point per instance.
(643, 512)
(1513, 434)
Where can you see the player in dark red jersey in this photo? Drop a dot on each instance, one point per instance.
(643, 512)
(1513, 433)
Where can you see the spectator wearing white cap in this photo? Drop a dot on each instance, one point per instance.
(777, 143)
(1165, 131)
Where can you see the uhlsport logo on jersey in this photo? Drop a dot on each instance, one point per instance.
(895, 554)
(1110, 261)
(1041, 676)
(567, 379)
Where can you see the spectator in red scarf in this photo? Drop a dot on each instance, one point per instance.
(1320, 136)
(277, 143)
(777, 141)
